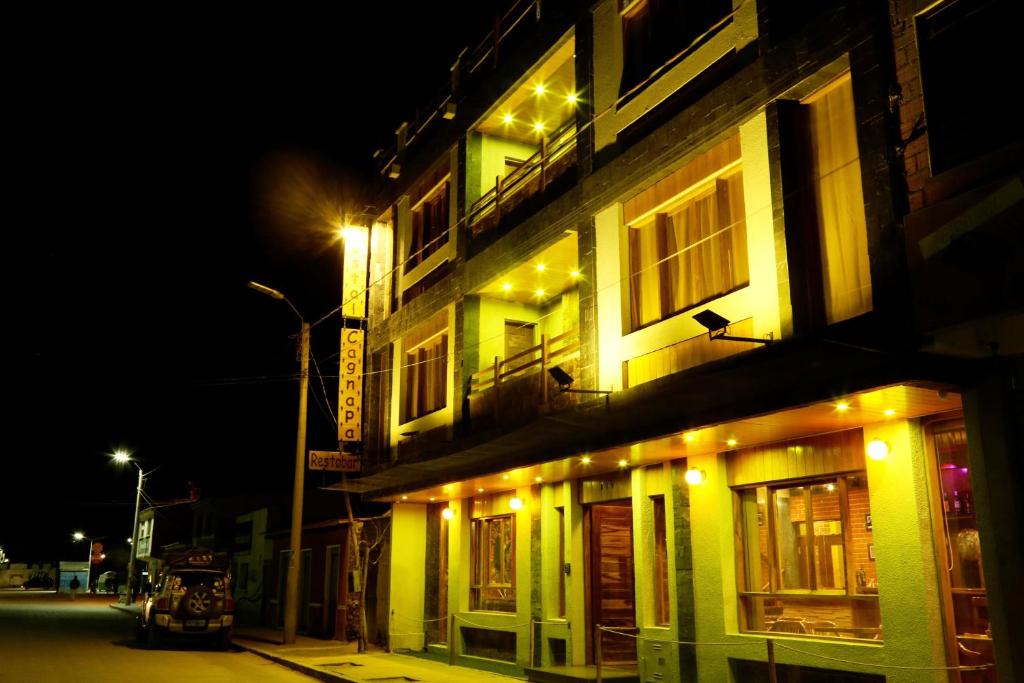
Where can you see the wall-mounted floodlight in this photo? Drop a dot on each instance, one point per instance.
(564, 382)
(718, 328)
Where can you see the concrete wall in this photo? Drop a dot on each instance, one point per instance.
(407, 587)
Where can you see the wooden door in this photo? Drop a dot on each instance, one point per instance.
(612, 589)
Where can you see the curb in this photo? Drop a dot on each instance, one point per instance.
(124, 608)
(293, 665)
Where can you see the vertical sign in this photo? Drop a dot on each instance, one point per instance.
(353, 276)
(350, 386)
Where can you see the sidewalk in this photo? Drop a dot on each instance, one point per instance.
(331, 660)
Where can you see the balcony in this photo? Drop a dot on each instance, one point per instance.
(555, 157)
(514, 390)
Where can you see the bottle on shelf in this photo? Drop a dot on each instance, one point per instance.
(965, 503)
(945, 502)
(956, 502)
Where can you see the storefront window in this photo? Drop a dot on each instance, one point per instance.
(808, 558)
(493, 556)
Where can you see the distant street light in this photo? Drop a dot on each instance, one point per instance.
(79, 536)
(291, 614)
(122, 457)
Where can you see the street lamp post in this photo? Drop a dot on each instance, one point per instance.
(291, 614)
(79, 536)
(129, 597)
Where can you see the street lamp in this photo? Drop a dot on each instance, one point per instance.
(121, 457)
(291, 614)
(79, 536)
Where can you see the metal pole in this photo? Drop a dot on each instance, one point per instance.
(291, 614)
(129, 597)
(772, 676)
(88, 565)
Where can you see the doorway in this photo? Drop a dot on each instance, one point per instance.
(611, 580)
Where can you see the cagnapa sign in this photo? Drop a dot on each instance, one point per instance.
(350, 386)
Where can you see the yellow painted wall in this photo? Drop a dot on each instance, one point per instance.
(407, 590)
(493, 151)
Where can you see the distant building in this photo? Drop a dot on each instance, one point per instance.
(701, 323)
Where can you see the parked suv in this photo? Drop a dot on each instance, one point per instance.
(191, 597)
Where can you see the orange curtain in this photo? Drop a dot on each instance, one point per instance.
(840, 202)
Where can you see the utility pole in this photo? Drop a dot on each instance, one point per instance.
(291, 604)
(129, 597)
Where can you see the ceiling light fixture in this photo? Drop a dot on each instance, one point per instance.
(695, 476)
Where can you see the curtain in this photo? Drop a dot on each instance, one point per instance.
(839, 202)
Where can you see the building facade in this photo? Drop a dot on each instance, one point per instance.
(694, 334)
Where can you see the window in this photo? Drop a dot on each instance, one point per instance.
(808, 558)
(839, 200)
(493, 557)
(960, 82)
(425, 375)
(693, 251)
(654, 32)
(661, 608)
(429, 226)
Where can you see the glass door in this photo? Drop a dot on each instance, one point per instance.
(967, 623)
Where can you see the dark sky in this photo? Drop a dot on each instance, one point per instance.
(156, 162)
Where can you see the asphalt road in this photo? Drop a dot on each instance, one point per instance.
(50, 638)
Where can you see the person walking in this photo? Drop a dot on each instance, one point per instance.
(74, 586)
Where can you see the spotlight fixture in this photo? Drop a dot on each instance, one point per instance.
(448, 514)
(565, 382)
(718, 328)
(516, 503)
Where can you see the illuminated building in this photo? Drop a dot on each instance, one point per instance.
(831, 468)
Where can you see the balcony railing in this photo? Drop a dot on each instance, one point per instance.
(512, 389)
(554, 158)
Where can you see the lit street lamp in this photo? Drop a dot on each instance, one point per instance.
(291, 614)
(79, 536)
(121, 457)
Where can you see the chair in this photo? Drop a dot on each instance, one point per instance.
(788, 625)
(823, 627)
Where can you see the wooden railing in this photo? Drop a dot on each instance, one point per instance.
(554, 157)
(537, 358)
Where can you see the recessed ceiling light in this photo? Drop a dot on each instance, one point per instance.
(538, 479)
(539, 292)
(480, 490)
(889, 412)
(571, 98)
(585, 460)
(539, 126)
(505, 477)
(539, 89)
(405, 497)
(575, 275)
(842, 406)
(540, 267)
(507, 119)
(690, 438)
(432, 499)
(623, 462)
(732, 442)
(506, 286)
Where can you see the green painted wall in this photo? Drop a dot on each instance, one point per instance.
(493, 151)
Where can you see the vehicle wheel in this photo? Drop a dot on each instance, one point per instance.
(223, 639)
(153, 636)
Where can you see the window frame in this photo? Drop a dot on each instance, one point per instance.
(775, 591)
(706, 187)
(410, 401)
(425, 238)
(479, 554)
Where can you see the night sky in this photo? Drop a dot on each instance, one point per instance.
(156, 163)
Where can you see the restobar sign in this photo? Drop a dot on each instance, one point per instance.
(333, 461)
(350, 386)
